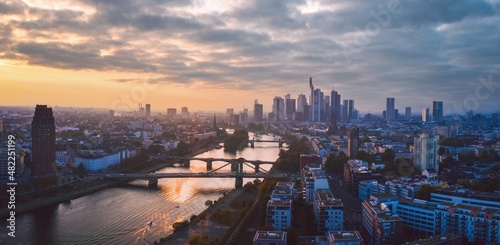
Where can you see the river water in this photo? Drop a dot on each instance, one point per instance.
(121, 215)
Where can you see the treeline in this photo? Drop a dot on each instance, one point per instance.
(489, 185)
(289, 160)
(236, 141)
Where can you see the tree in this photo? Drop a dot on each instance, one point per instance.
(198, 240)
(424, 192)
(156, 149)
(81, 169)
(388, 156)
(209, 203)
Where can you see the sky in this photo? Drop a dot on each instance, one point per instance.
(212, 55)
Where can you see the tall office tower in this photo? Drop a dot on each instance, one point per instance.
(345, 110)
(396, 113)
(355, 114)
(408, 113)
(171, 112)
(185, 113)
(229, 111)
(425, 115)
(279, 108)
(334, 105)
(148, 110)
(244, 117)
(353, 143)
(426, 152)
(317, 105)
(390, 109)
(301, 102)
(312, 106)
(349, 110)
(258, 112)
(327, 108)
(437, 111)
(289, 107)
(1, 126)
(43, 145)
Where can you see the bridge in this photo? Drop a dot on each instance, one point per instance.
(152, 178)
(236, 168)
(209, 160)
(279, 141)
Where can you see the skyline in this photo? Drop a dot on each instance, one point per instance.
(117, 54)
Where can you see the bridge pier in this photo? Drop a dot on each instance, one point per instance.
(252, 143)
(238, 182)
(153, 183)
(257, 169)
(234, 166)
(209, 164)
(186, 163)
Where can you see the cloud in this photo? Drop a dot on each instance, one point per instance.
(424, 51)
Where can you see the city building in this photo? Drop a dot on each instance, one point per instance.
(279, 108)
(270, 238)
(43, 145)
(380, 225)
(313, 179)
(366, 189)
(258, 112)
(328, 212)
(318, 106)
(171, 112)
(301, 103)
(408, 113)
(306, 159)
(353, 143)
(350, 110)
(4, 162)
(345, 110)
(425, 115)
(345, 238)
(390, 113)
(443, 239)
(148, 110)
(335, 105)
(111, 113)
(290, 107)
(460, 195)
(426, 153)
(185, 113)
(437, 111)
(279, 213)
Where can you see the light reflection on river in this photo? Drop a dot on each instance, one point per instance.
(120, 215)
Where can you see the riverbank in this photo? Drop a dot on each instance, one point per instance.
(22, 207)
(205, 227)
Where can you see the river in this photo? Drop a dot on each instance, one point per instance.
(121, 214)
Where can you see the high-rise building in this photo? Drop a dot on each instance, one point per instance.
(408, 113)
(327, 109)
(43, 145)
(171, 112)
(317, 103)
(328, 212)
(425, 115)
(148, 110)
(335, 104)
(1, 126)
(426, 152)
(345, 110)
(353, 143)
(229, 111)
(312, 105)
(349, 110)
(380, 225)
(437, 111)
(279, 108)
(258, 112)
(289, 107)
(301, 102)
(244, 117)
(185, 113)
(390, 109)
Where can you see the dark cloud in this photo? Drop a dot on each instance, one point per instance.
(421, 51)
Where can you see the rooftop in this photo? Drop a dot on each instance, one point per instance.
(459, 191)
(326, 198)
(270, 236)
(345, 236)
(435, 239)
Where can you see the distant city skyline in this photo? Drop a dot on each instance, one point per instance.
(212, 55)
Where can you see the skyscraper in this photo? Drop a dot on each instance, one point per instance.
(349, 110)
(148, 110)
(353, 143)
(171, 112)
(43, 145)
(408, 113)
(289, 107)
(311, 99)
(301, 102)
(437, 111)
(426, 152)
(278, 108)
(390, 109)
(258, 112)
(345, 110)
(425, 115)
(317, 105)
